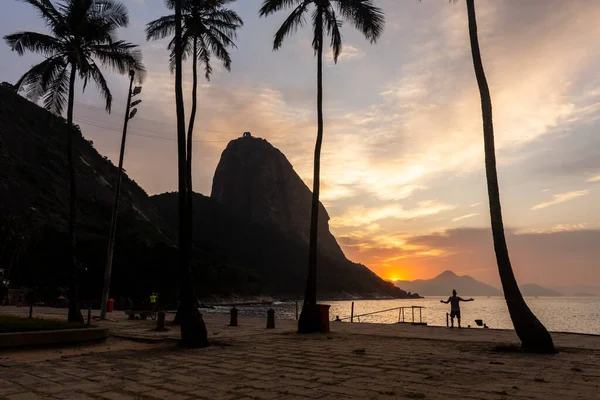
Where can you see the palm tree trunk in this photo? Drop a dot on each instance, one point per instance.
(190, 192)
(113, 219)
(74, 310)
(309, 318)
(531, 332)
(193, 330)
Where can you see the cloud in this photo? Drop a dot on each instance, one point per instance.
(350, 52)
(594, 179)
(359, 215)
(464, 217)
(536, 257)
(554, 229)
(561, 198)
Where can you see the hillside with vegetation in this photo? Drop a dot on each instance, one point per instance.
(234, 254)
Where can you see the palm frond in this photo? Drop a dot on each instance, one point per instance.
(95, 74)
(160, 28)
(317, 23)
(204, 57)
(109, 11)
(364, 15)
(272, 6)
(33, 42)
(121, 56)
(53, 18)
(35, 82)
(57, 92)
(291, 24)
(333, 26)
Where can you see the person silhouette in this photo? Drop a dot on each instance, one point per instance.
(455, 306)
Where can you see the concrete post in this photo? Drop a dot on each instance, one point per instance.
(271, 319)
(160, 321)
(233, 318)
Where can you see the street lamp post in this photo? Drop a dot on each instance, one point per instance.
(129, 114)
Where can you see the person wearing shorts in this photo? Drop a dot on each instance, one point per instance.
(455, 307)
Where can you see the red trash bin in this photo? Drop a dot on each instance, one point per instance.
(324, 317)
(110, 305)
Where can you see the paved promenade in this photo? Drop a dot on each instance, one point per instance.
(354, 361)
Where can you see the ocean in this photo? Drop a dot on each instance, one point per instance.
(558, 314)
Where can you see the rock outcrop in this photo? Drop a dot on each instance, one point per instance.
(257, 181)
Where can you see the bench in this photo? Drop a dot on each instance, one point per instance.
(144, 314)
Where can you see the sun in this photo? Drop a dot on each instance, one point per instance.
(394, 279)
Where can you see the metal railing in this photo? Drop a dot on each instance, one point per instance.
(401, 314)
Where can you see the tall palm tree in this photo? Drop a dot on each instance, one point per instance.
(533, 335)
(327, 18)
(209, 29)
(82, 34)
(193, 330)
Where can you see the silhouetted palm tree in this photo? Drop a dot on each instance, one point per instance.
(82, 34)
(327, 18)
(193, 330)
(533, 335)
(209, 28)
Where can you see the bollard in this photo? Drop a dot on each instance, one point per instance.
(296, 311)
(31, 310)
(160, 321)
(352, 313)
(233, 317)
(89, 315)
(271, 319)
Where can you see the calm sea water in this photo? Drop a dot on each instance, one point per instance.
(559, 314)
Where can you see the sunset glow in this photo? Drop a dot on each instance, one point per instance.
(402, 173)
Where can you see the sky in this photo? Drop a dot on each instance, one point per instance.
(403, 175)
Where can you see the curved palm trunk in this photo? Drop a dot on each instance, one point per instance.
(193, 330)
(533, 335)
(309, 318)
(113, 220)
(74, 310)
(190, 192)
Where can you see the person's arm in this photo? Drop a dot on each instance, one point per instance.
(461, 299)
(445, 302)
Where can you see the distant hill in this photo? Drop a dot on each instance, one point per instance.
(531, 289)
(444, 283)
(578, 290)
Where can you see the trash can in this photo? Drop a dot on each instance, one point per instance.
(110, 305)
(324, 317)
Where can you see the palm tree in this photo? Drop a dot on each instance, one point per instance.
(82, 34)
(327, 19)
(193, 330)
(533, 335)
(209, 28)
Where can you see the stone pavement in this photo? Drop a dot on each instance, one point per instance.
(290, 366)
(355, 361)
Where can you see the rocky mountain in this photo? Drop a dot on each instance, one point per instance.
(444, 283)
(258, 217)
(256, 181)
(531, 289)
